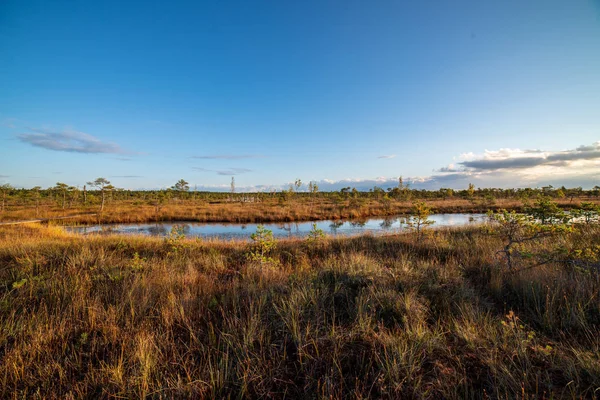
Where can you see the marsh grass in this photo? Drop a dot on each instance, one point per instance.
(268, 210)
(363, 317)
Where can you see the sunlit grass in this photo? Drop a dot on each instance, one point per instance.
(268, 210)
(390, 316)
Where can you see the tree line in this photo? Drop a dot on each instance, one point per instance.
(100, 190)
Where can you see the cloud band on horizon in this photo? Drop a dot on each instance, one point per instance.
(505, 168)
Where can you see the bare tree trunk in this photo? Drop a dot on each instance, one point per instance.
(102, 205)
(84, 195)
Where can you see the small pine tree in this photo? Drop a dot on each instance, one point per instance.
(263, 244)
(419, 219)
(315, 234)
(181, 186)
(471, 190)
(102, 184)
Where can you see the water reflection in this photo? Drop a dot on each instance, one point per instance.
(335, 225)
(157, 230)
(387, 222)
(297, 229)
(358, 223)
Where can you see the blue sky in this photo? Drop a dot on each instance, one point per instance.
(345, 93)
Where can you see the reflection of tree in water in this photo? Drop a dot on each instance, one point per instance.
(108, 229)
(244, 226)
(157, 230)
(182, 228)
(387, 222)
(335, 225)
(285, 227)
(403, 222)
(359, 223)
(162, 230)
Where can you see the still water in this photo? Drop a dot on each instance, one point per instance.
(280, 229)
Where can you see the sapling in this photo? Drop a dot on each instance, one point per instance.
(419, 218)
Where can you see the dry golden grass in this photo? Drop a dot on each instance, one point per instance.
(268, 210)
(364, 317)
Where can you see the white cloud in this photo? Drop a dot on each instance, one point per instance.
(516, 159)
(515, 167)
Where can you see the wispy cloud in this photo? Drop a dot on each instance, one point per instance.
(9, 123)
(233, 171)
(449, 168)
(68, 141)
(388, 156)
(4, 176)
(227, 171)
(228, 156)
